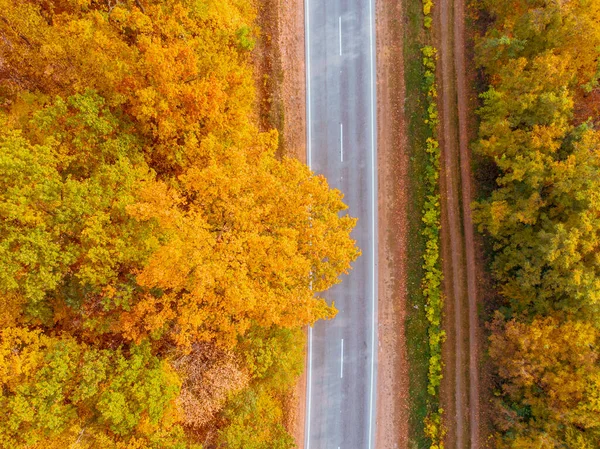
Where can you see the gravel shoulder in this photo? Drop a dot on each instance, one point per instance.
(393, 163)
(293, 86)
(291, 45)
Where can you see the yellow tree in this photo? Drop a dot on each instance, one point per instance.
(550, 371)
(523, 28)
(178, 69)
(252, 239)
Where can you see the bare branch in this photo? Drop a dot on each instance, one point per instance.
(139, 5)
(111, 6)
(80, 434)
(16, 32)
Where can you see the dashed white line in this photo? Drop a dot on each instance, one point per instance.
(342, 361)
(340, 33)
(373, 209)
(342, 142)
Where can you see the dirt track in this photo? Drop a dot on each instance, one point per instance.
(461, 386)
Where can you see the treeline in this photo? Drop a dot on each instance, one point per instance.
(539, 120)
(157, 261)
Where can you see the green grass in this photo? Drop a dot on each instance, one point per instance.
(416, 323)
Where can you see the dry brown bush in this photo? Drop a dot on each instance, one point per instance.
(209, 376)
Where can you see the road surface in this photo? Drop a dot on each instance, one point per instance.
(341, 144)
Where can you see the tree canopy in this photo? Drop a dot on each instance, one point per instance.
(157, 258)
(543, 217)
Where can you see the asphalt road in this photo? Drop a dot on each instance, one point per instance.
(341, 99)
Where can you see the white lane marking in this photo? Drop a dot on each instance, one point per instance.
(342, 142)
(373, 215)
(308, 101)
(309, 163)
(342, 361)
(340, 33)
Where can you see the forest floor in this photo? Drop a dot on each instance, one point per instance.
(280, 73)
(460, 389)
(393, 193)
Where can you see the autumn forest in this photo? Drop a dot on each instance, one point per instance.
(538, 127)
(158, 260)
(161, 255)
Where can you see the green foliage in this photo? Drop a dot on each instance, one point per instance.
(524, 29)
(245, 38)
(31, 186)
(432, 281)
(140, 385)
(60, 197)
(275, 359)
(543, 218)
(50, 384)
(254, 422)
(274, 356)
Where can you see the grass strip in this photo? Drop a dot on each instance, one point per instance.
(431, 215)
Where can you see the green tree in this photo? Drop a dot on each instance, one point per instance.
(274, 356)
(254, 422)
(68, 176)
(50, 384)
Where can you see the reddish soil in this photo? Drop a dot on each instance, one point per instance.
(392, 380)
(467, 199)
(280, 74)
(293, 85)
(267, 66)
(460, 396)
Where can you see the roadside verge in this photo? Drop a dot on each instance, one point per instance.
(393, 191)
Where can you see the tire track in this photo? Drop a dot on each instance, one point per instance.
(462, 372)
